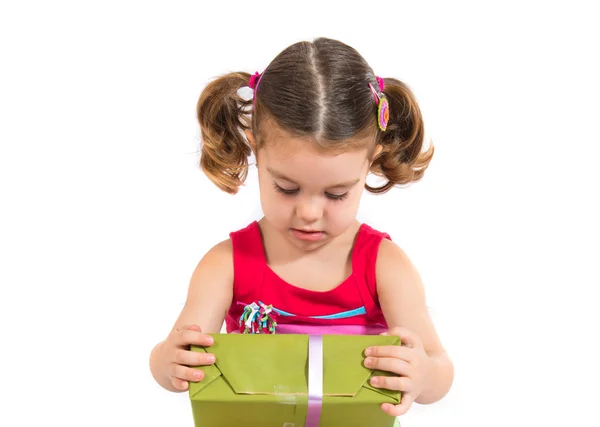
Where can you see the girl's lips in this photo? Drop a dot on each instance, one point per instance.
(310, 236)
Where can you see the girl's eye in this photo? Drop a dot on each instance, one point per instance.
(284, 191)
(337, 196)
(292, 192)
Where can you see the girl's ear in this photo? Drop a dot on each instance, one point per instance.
(251, 140)
(252, 144)
(378, 150)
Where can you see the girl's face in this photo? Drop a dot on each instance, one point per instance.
(309, 196)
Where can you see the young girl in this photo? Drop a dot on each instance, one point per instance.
(320, 120)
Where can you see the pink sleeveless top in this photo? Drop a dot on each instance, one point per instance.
(350, 308)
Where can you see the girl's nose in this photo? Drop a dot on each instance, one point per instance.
(309, 211)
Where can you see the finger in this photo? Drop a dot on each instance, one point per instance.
(407, 337)
(179, 384)
(403, 384)
(389, 364)
(396, 351)
(400, 409)
(186, 337)
(184, 373)
(193, 358)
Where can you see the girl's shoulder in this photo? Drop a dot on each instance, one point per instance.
(396, 276)
(391, 255)
(218, 259)
(390, 259)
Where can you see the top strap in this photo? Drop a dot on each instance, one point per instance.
(249, 263)
(364, 257)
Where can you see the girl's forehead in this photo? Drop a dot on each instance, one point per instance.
(291, 148)
(301, 161)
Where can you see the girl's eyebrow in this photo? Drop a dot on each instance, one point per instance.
(280, 175)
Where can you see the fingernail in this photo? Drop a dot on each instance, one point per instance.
(198, 375)
(368, 351)
(368, 361)
(374, 381)
(211, 358)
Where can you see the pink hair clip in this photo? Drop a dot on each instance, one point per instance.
(383, 108)
(253, 80)
(253, 84)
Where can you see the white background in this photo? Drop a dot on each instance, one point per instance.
(105, 212)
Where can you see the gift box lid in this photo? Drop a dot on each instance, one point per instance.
(278, 364)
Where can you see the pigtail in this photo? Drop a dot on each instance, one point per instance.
(401, 161)
(223, 116)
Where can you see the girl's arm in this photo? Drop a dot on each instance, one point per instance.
(209, 296)
(402, 300)
(210, 291)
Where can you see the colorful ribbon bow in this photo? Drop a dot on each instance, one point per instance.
(258, 319)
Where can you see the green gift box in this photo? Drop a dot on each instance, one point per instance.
(264, 380)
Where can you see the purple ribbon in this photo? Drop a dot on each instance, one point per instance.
(315, 380)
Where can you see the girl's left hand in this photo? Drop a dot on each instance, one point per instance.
(409, 361)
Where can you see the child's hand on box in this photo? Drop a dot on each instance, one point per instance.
(409, 361)
(178, 357)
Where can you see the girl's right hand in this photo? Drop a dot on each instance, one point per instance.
(178, 358)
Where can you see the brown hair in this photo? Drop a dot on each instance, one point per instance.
(316, 89)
